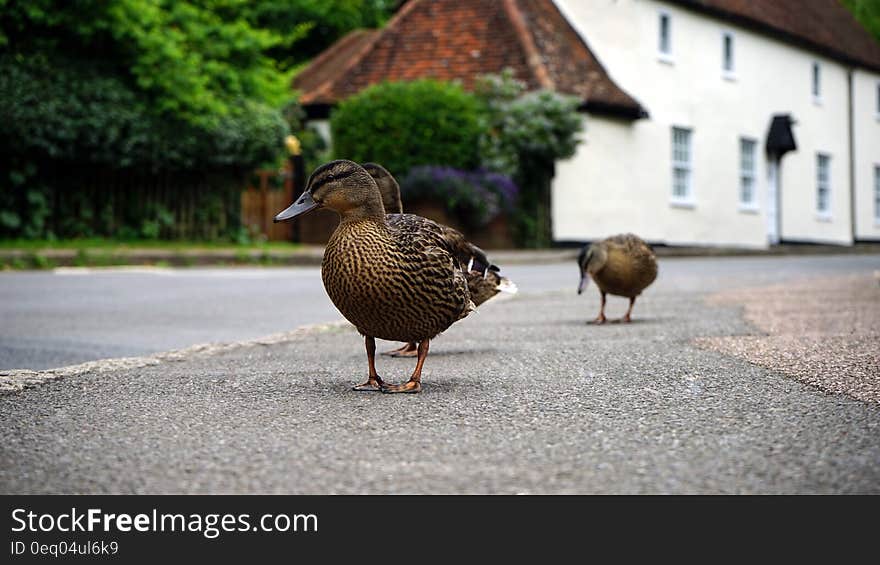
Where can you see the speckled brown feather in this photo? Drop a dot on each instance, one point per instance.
(483, 280)
(396, 280)
(623, 265)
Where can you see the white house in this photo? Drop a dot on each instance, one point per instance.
(697, 170)
(707, 122)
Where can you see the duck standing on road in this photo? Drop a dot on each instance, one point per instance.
(399, 281)
(623, 265)
(483, 278)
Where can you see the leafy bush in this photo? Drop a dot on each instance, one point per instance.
(540, 124)
(405, 124)
(523, 135)
(472, 197)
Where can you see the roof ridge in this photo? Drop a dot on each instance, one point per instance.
(533, 56)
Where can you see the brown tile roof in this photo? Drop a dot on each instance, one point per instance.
(459, 40)
(821, 25)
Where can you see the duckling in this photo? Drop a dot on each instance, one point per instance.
(623, 265)
(399, 281)
(484, 282)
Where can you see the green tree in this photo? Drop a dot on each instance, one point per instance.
(867, 12)
(193, 86)
(404, 124)
(523, 135)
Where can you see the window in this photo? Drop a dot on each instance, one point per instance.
(877, 193)
(817, 83)
(747, 197)
(665, 36)
(727, 61)
(681, 166)
(823, 185)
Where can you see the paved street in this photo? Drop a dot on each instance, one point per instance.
(522, 396)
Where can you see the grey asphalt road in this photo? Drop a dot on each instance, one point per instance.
(521, 397)
(53, 319)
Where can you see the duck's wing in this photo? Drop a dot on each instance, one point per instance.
(467, 253)
(420, 232)
(422, 240)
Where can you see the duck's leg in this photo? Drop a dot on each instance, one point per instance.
(600, 319)
(375, 382)
(627, 317)
(414, 384)
(408, 350)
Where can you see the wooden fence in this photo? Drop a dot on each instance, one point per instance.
(140, 204)
(267, 193)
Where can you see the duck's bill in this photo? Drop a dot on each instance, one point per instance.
(585, 280)
(302, 205)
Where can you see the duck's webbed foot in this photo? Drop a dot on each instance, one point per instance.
(414, 384)
(409, 386)
(408, 350)
(373, 384)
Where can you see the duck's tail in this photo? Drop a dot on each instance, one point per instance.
(507, 285)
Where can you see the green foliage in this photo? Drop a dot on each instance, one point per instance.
(65, 111)
(192, 60)
(404, 124)
(867, 12)
(541, 125)
(523, 136)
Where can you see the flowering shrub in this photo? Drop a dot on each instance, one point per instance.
(474, 198)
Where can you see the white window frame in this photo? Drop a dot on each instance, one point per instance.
(664, 56)
(816, 82)
(877, 194)
(825, 214)
(729, 74)
(877, 100)
(687, 199)
(752, 175)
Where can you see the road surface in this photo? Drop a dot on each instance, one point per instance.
(521, 397)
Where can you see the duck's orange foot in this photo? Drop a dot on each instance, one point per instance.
(600, 319)
(408, 350)
(626, 319)
(407, 387)
(372, 385)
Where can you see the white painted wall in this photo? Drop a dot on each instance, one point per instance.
(867, 150)
(621, 178)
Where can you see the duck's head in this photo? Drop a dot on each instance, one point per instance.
(583, 262)
(342, 186)
(388, 187)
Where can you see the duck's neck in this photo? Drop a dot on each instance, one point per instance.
(371, 211)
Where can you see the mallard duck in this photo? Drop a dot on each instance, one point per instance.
(397, 279)
(388, 187)
(623, 265)
(484, 280)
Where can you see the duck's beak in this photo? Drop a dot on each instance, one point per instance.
(585, 280)
(302, 205)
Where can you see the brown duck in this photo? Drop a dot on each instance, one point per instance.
(484, 280)
(623, 265)
(397, 280)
